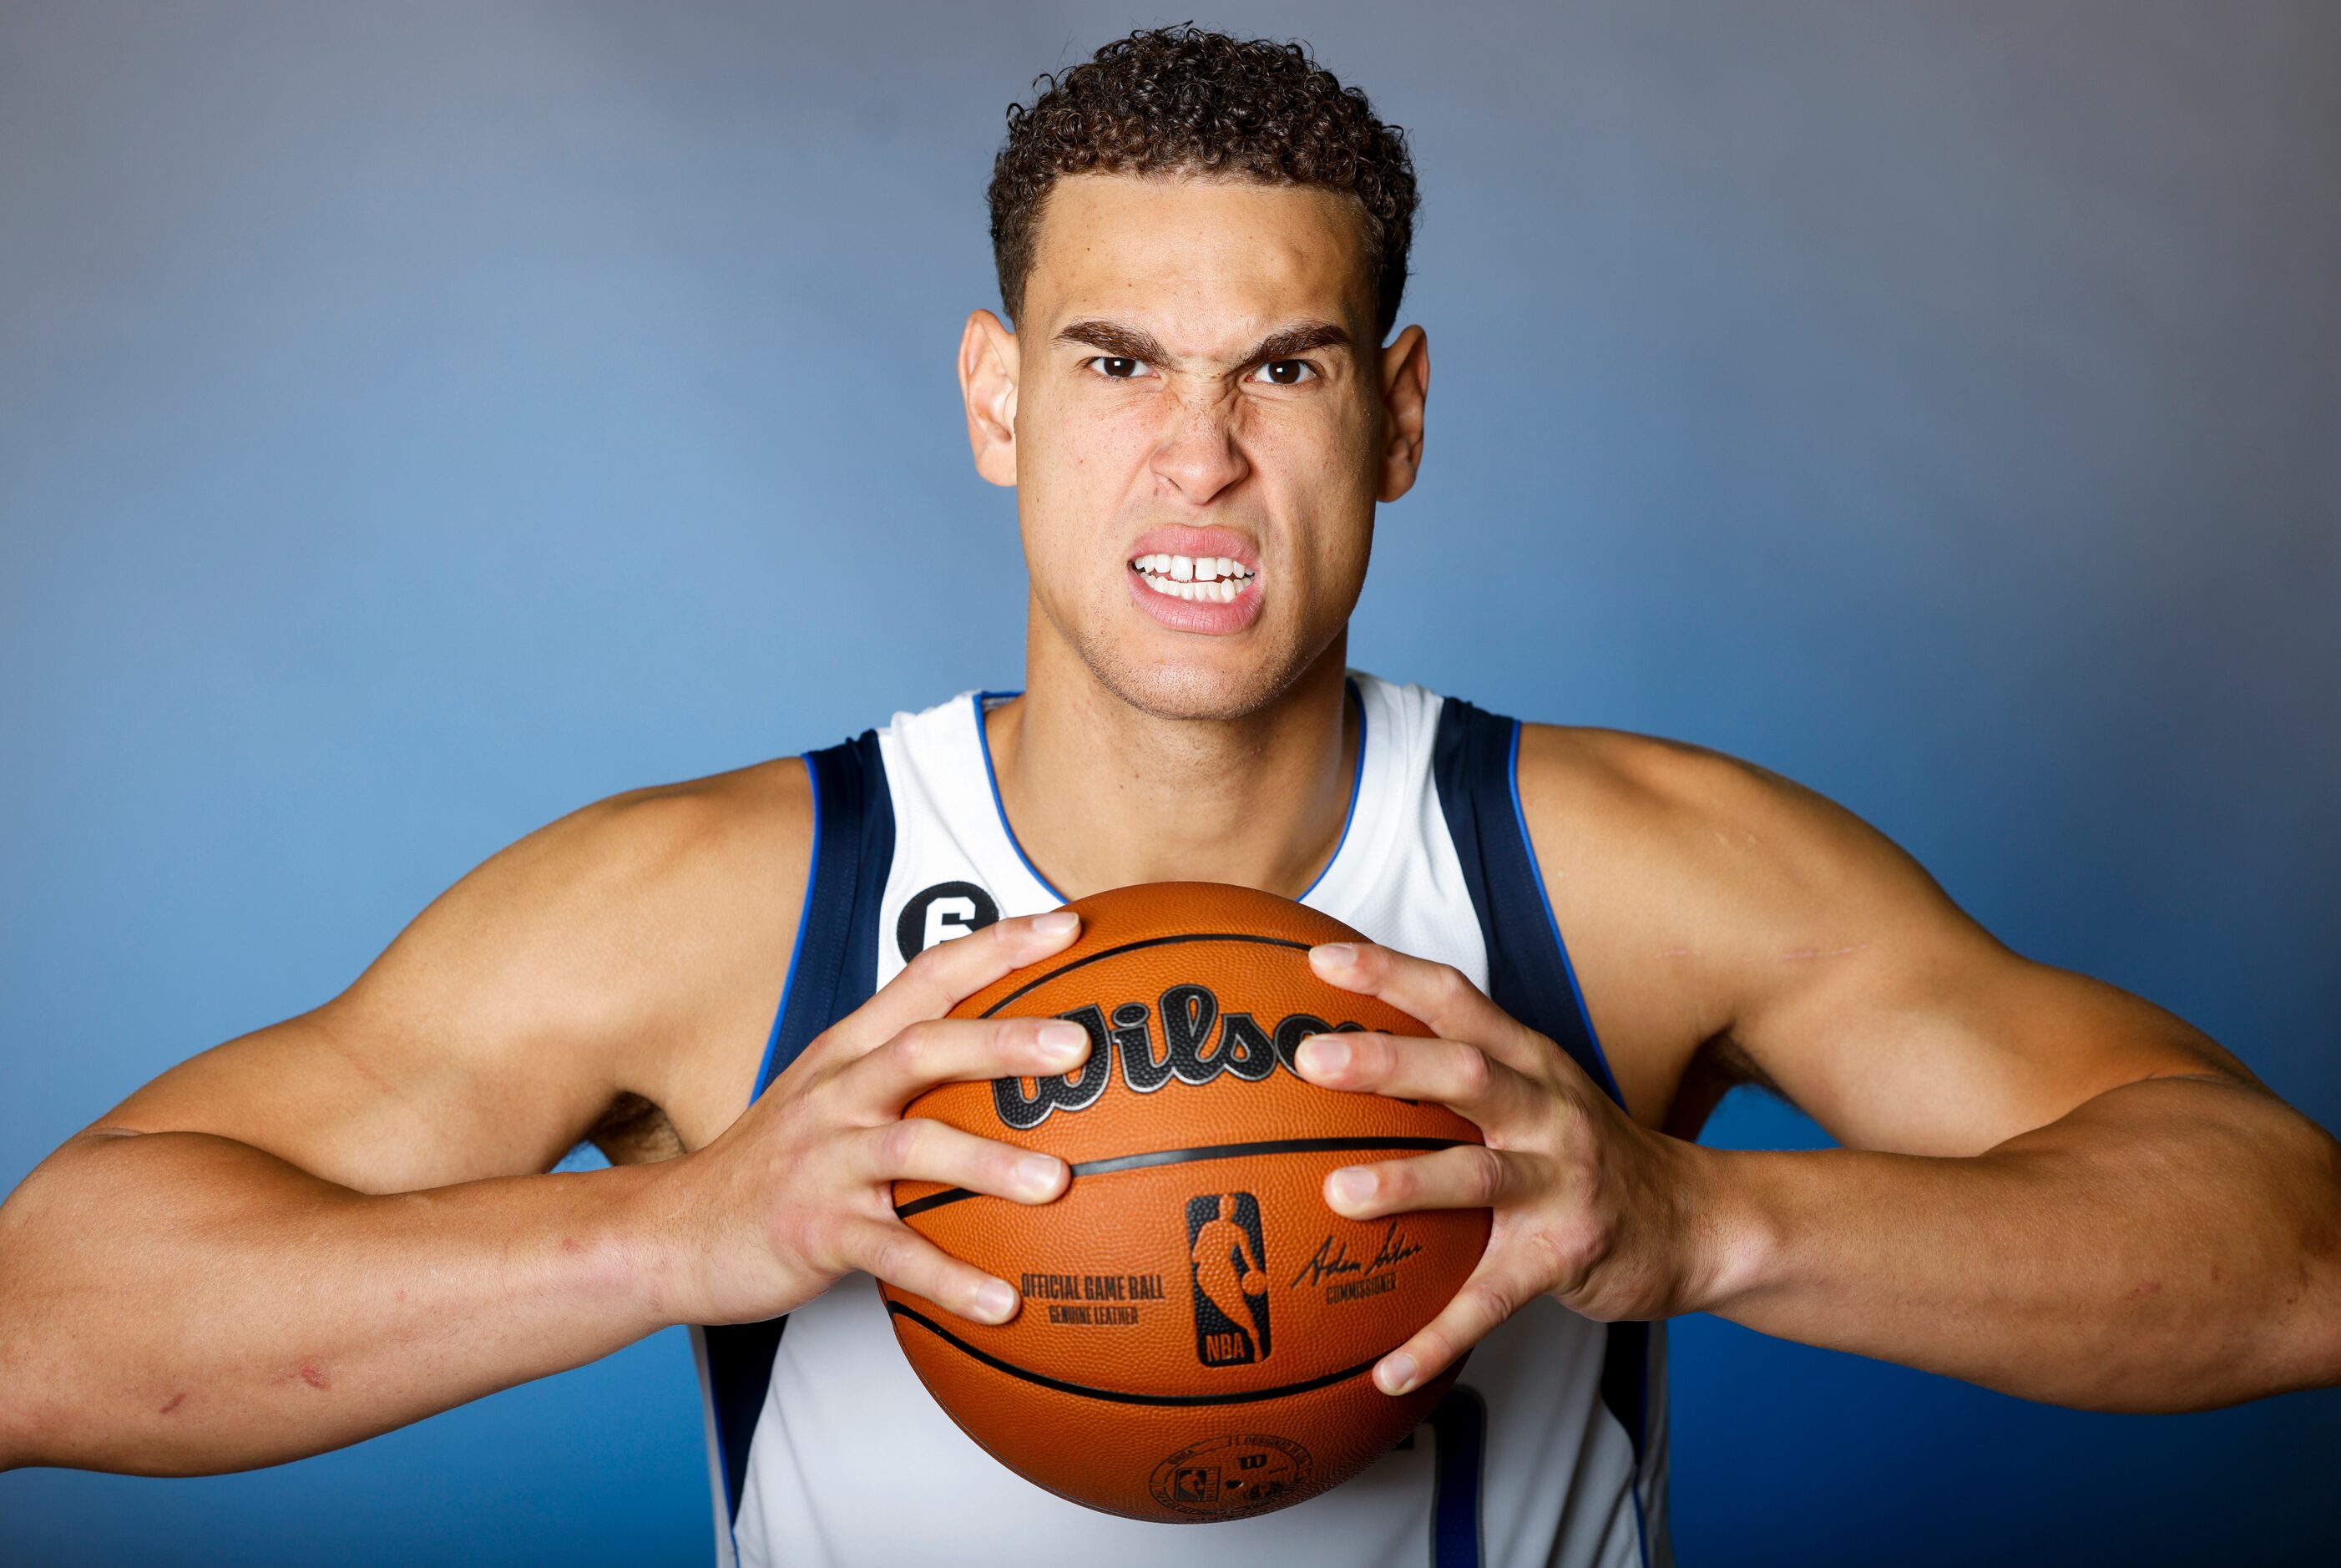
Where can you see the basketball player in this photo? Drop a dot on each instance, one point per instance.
(341, 1224)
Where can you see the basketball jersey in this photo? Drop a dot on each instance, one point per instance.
(825, 1449)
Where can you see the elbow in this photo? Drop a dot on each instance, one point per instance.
(25, 1429)
(2296, 1313)
(2273, 1322)
(2264, 1308)
(21, 1430)
(20, 1438)
(43, 1320)
(2316, 1309)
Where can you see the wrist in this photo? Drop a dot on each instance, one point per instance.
(634, 1251)
(1737, 1243)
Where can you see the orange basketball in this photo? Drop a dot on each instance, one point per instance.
(1200, 1331)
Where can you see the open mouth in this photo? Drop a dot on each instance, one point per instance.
(1198, 579)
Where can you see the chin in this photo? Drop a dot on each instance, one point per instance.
(1168, 674)
(1217, 689)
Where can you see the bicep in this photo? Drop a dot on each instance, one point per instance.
(581, 968)
(1954, 1046)
(373, 1100)
(1895, 1019)
(1728, 921)
(418, 1075)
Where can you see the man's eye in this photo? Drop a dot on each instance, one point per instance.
(1285, 372)
(1117, 368)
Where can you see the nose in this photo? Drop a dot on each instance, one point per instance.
(1199, 456)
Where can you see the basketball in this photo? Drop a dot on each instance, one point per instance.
(1200, 1330)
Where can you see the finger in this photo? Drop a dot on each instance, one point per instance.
(909, 1262)
(1497, 1289)
(946, 974)
(915, 1149)
(1439, 994)
(1466, 1177)
(1450, 1072)
(959, 1051)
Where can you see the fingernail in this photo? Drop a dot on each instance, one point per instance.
(1325, 1052)
(1396, 1373)
(994, 1299)
(1056, 923)
(1334, 954)
(1038, 1172)
(1062, 1042)
(1351, 1184)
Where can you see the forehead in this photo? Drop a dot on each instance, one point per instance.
(1200, 257)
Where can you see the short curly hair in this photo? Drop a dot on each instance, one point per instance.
(1180, 100)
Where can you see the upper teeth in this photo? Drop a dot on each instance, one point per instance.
(1207, 577)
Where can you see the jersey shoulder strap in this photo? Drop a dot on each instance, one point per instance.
(835, 962)
(1476, 760)
(832, 970)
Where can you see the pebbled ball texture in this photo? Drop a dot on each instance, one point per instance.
(1199, 1329)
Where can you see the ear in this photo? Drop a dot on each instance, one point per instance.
(1406, 387)
(987, 382)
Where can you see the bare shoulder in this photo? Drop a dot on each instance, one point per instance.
(1700, 808)
(1686, 881)
(652, 876)
(1730, 924)
(654, 928)
(611, 974)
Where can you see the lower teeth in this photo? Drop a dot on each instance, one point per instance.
(1219, 591)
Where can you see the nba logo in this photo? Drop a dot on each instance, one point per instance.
(1197, 1486)
(1228, 1266)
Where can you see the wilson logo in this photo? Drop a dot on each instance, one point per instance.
(1184, 1037)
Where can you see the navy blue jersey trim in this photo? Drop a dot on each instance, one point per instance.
(765, 1067)
(984, 700)
(739, 1372)
(1459, 1422)
(1357, 788)
(1601, 1069)
(1472, 759)
(836, 963)
(1626, 1387)
(833, 970)
(1475, 760)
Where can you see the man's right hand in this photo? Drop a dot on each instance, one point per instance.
(798, 1192)
(342, 1223)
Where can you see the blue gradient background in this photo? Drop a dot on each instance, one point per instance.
(418, 420)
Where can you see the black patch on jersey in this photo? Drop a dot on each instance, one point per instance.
(954, 908)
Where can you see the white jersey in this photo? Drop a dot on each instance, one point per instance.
(824, 1447)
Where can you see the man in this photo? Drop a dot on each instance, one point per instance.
(341, 1224)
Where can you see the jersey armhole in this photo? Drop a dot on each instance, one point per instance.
(766, 1065)
(1604, 1076)
(1474, 762)
(833, 970)
(833, 964)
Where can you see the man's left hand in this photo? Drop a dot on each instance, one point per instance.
(1590, 1208)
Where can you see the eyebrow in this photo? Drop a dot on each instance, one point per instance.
(1129, 343)
(1294, 340)
(1113, 338)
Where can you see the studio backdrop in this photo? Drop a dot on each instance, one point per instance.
(417, 420)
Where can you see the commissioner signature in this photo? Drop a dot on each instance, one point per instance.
(1332, 1257)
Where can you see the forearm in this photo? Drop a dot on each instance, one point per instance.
(174, 1302)
(2172, 1244)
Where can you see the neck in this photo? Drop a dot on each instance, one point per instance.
(1102, 794)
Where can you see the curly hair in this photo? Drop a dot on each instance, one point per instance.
(1179, 100)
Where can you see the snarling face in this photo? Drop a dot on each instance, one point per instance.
(1198, 422)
